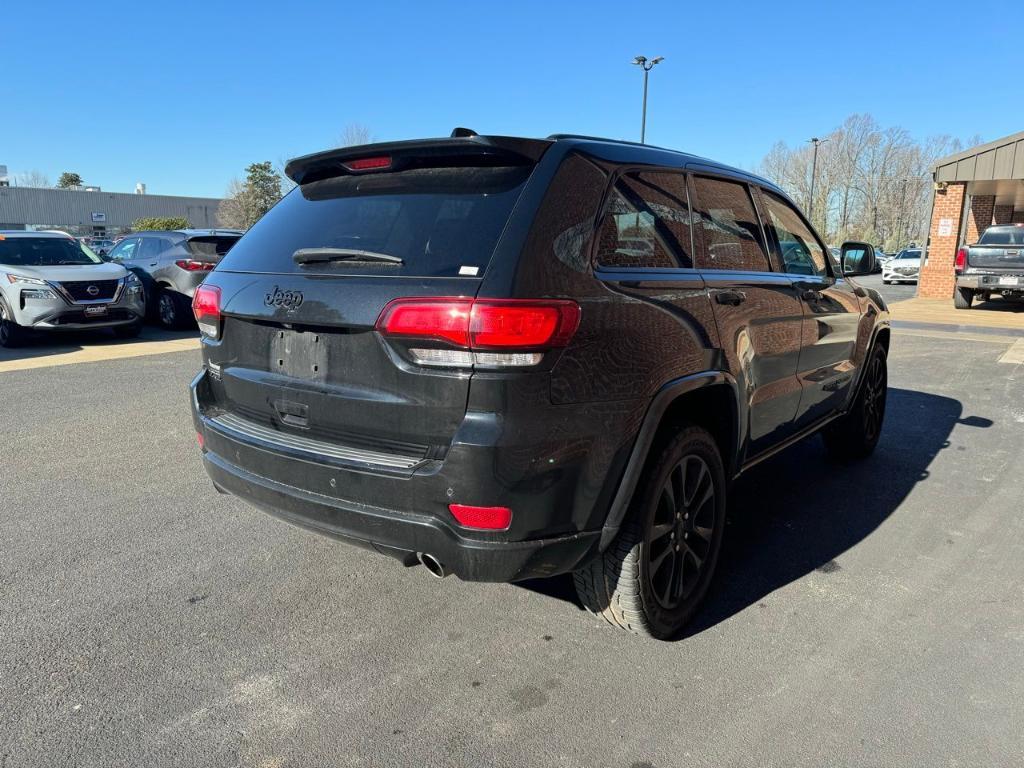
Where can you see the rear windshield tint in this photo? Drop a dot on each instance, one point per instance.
(1011, 236)
(439, 221)
(44, 252)
(211, 245)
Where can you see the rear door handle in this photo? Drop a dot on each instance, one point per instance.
(732, 298)
(811, 295)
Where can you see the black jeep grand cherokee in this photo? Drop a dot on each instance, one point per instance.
(508, 358)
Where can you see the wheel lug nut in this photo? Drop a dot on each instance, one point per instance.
(686, 516)
(686, 535)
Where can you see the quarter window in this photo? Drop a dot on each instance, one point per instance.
(800, 252)
(647, 223)
(729, 224)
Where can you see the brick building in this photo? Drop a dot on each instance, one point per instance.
(974, 189)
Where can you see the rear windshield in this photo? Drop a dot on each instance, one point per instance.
(44, 252)
(915, 255)
(1008, 236)
(211, 245)
(439, 221)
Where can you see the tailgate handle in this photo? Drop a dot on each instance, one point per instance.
(292, 414)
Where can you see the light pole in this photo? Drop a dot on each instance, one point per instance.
(647, 66)
(814, 173)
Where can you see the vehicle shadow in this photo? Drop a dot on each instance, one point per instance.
(1000, 304)
(799, 511)
(47, 344)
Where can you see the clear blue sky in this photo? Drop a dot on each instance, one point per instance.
(184, 95)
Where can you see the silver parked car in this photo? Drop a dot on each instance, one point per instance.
(171, 265)
(51, 282)
(904, 267)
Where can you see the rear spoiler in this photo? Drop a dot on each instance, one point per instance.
(421, 153)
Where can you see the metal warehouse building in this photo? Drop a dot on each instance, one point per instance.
(96, 213)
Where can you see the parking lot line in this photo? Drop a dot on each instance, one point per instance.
(1014, 354)
(957, 335)
(93, 354)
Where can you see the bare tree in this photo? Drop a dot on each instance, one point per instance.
(231, 212)
(355, 134)
(872, 182)
(32, 179)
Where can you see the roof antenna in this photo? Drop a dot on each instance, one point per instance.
(463, 133)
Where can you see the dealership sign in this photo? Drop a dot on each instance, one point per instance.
(99, 218)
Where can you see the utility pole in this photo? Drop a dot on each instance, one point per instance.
(814, 173)
(647, 66)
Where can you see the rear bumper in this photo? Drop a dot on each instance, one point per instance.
(402, 512)
(402, 535)
(991, 282)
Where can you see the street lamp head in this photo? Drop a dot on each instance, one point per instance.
(641, 60)
(657, 60)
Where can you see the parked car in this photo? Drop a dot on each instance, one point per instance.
(448, 351)
(49, 282)
(993, 265)
(101, 245)
(904, 267)
(171, 265)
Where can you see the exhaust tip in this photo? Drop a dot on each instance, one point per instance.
(432, 564)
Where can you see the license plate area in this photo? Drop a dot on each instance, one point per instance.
(1009, 280)
(98, 311)
(299, 354)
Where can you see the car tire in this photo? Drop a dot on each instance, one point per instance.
(886, 282)
(11, 334)
(963, 298)
(855, 434)
(128, 331)
(172, 310)
(674, 528)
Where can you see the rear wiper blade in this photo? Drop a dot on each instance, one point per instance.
(324, 255)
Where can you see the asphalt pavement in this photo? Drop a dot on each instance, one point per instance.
(864, 615)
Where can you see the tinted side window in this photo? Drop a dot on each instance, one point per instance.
(151, 247)
(647, 223)
(732, 233)
(800, 252)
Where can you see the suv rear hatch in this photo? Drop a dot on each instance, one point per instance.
(210, 249)
(302, 291)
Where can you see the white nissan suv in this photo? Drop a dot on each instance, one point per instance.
(50, 282)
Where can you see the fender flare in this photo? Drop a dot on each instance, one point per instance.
(645, 438)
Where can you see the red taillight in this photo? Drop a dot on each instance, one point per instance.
(482, 518)
(439, 319)
(191, 265)
(206, 308)
(961, 260)
(369, 164)
(483, 324)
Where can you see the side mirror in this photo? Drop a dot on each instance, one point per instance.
(857, 259)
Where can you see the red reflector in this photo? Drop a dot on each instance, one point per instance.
(201, 440)
(192, 265)
(369, 164)
(482, 518)
(961, 260)
(483, 324)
